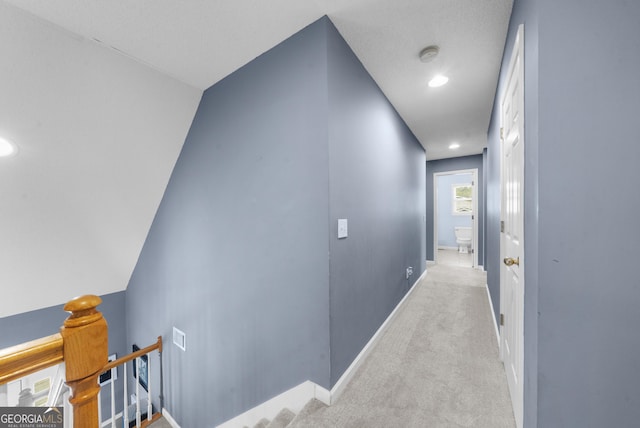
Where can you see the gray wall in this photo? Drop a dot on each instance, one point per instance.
(581, 281)
(237, 256)
(239, 253)
(376, 181)
(454, 164)
(32, 325)
(524, 11)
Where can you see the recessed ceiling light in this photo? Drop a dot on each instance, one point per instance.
(7, 148)
(454, 146)
(438, 80)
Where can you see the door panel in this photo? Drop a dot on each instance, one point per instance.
(512, 237)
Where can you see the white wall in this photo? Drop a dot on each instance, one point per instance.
(98, 136)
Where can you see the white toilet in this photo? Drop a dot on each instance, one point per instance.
(463, 239)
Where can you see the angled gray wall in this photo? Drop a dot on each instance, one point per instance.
(243, 248)
(237, 256)
(376, 182)
(455, 164)
(32, 325)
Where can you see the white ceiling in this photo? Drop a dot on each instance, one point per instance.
(199, 42)
(99, 95)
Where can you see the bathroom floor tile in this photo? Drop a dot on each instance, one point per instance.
(454, 258)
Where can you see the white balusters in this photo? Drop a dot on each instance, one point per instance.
(125, 407)
(100, 407)
(68, 409)
(149, 395)
(138, 416)
(140, 411)
(113, 398)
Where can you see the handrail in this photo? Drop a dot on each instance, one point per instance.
(144, 415)
(82, 345)
(30, 357)
(115, 363)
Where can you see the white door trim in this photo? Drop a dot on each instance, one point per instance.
(517, 304)
(474, 222)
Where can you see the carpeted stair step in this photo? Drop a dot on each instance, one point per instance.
(312, 407)
(282, 419)
(262, 423)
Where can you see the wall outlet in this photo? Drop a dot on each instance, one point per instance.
(409, 272)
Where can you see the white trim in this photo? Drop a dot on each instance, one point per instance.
(493, 314)
(322, 394)
(517, 396)
(476, 215)
(295, 398)
(169, 418)
(346, 377)
(442, 247)
(480, 268)
(431, 262)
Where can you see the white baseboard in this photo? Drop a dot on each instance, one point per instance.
(444, 247)
(346, 377)
(480, 268)
(169, 418)
(295, 398)
(493, 314)
(431, 263)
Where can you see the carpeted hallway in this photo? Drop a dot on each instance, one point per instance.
(436, 366)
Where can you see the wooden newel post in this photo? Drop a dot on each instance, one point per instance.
(86, 351)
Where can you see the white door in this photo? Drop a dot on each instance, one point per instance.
(512, 227)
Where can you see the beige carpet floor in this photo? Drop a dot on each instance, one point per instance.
(436, 366)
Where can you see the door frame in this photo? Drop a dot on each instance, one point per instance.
(474, 220)
(518, 405)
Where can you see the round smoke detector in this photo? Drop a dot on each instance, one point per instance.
(429, 53)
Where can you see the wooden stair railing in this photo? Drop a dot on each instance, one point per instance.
(30, 357)
(122, 360)
(85, 338)
(82, 345)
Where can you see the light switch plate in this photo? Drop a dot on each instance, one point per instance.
(343, 231)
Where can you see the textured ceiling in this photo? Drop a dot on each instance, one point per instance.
(99, 95)
(200, 42)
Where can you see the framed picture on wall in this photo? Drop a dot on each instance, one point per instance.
(141, 369)
(110, 375)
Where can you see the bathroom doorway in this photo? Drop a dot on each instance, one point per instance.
(455, 219)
